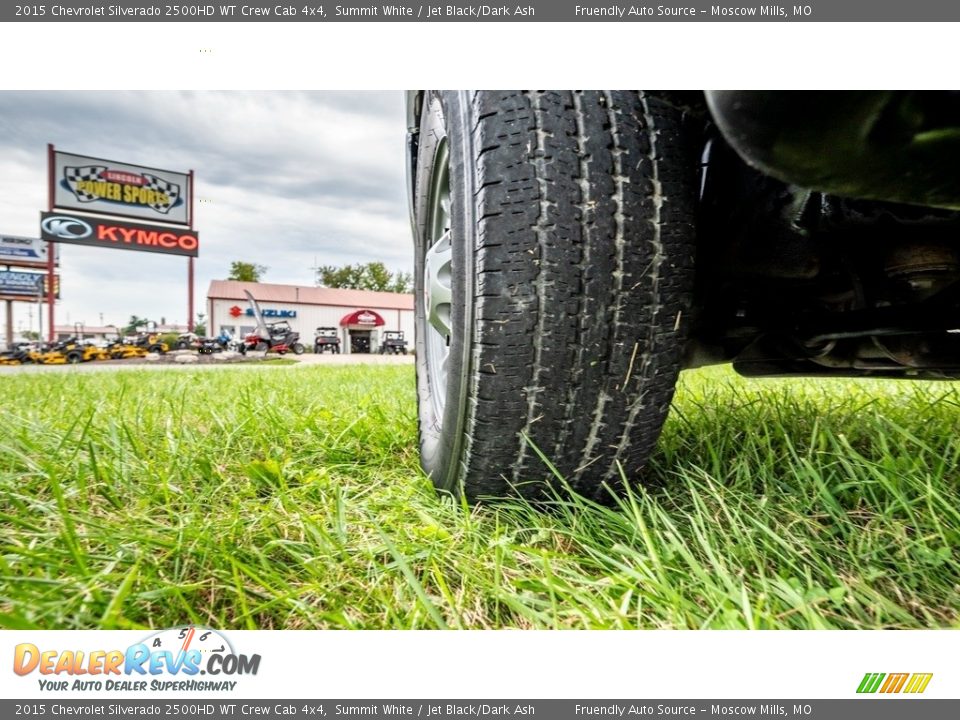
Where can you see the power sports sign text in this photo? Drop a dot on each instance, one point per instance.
(105, 232)
(112, 188)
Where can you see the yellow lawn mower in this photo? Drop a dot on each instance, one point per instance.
(151, 343)
(119, 350)
(71, 352)
(26, 354)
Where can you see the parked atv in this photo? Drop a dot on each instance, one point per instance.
(279, 338)
(393, 343)
(326, 338)
(276, 337)
(188, 341)
(208, 346)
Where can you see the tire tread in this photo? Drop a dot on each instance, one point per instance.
(583, 254)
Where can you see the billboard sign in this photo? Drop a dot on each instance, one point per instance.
(25, 284)
(24, 251)
(76, 229)
(106, 187)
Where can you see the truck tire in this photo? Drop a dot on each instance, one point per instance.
(554, 268)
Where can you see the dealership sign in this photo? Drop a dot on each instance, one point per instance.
(105, 232)
(362, 317)
(273, 313)
(106, 187)
(27, 284)
(23, 251)
(236, 311)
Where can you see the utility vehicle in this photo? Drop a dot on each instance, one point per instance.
(326, 338)
(393, 343)
(276, 337)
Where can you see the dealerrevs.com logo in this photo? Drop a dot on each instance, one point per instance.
(168, 660)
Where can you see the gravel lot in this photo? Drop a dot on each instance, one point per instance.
(307, 359)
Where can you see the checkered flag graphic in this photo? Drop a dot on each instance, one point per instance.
(171, 190)
(73, 175)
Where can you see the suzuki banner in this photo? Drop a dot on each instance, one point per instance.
(105, 232)
(106, 187)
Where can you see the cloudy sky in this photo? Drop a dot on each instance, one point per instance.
(284, 179)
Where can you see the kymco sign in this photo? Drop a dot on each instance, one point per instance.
(103, 232)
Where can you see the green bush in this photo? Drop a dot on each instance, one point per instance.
(170, 339)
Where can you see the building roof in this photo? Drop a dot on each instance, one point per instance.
(114, 329)
(87, 329)
(298, 294)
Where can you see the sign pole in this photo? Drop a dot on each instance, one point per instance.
(9, 338)
(190, 265)
(51, 294)
(190, 294)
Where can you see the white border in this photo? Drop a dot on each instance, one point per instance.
(545, 664)
(352, 56)
(457, 55)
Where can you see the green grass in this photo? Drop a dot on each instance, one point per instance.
(291, 498)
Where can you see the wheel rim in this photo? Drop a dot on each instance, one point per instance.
(437, 281)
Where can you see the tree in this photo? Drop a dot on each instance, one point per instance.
(200, 326)
(134, 323)
(246, 272)
(365, 276)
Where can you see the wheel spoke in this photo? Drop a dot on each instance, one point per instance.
(445, 210)
(438, 289)
(437, 281)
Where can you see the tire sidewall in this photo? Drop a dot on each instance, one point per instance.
(445, 115)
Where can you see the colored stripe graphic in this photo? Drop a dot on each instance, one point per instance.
(894, 683)
(918, 682)
(870, 682)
